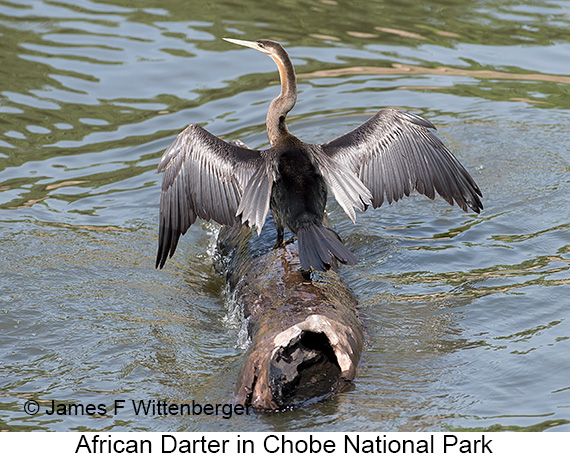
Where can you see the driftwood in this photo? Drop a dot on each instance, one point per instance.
(306, 339)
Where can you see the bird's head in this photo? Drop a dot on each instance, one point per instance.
(268, 47)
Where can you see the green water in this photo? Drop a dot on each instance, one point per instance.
(466, 315)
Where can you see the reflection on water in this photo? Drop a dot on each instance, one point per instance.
(466, 314)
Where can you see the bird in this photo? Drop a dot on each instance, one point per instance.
(387, 157)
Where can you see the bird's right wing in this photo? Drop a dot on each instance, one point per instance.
(207, 177)
(393, 153)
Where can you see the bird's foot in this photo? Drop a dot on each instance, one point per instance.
(282, 244)
(289, 241)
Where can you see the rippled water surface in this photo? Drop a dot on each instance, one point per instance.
(466, 315)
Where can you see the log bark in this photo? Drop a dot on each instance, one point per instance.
(306, 338)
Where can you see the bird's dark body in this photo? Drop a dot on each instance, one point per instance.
(299, 193)
(298, 201)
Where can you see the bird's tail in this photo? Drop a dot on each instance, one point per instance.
(317, 246)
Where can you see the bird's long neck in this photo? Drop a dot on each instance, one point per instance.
(279, 107)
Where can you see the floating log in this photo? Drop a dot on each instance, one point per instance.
(306, 338)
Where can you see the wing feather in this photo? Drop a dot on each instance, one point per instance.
(392, 154)
(204, 177)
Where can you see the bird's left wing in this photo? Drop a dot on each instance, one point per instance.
(204, 177)
(393, 153)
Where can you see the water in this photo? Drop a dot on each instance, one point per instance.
(466, 315)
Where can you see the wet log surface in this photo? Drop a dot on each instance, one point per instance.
(306, 338)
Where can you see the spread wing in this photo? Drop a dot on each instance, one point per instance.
(206, 177)
(394, 153)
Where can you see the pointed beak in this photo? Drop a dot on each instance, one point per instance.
(247, 44)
